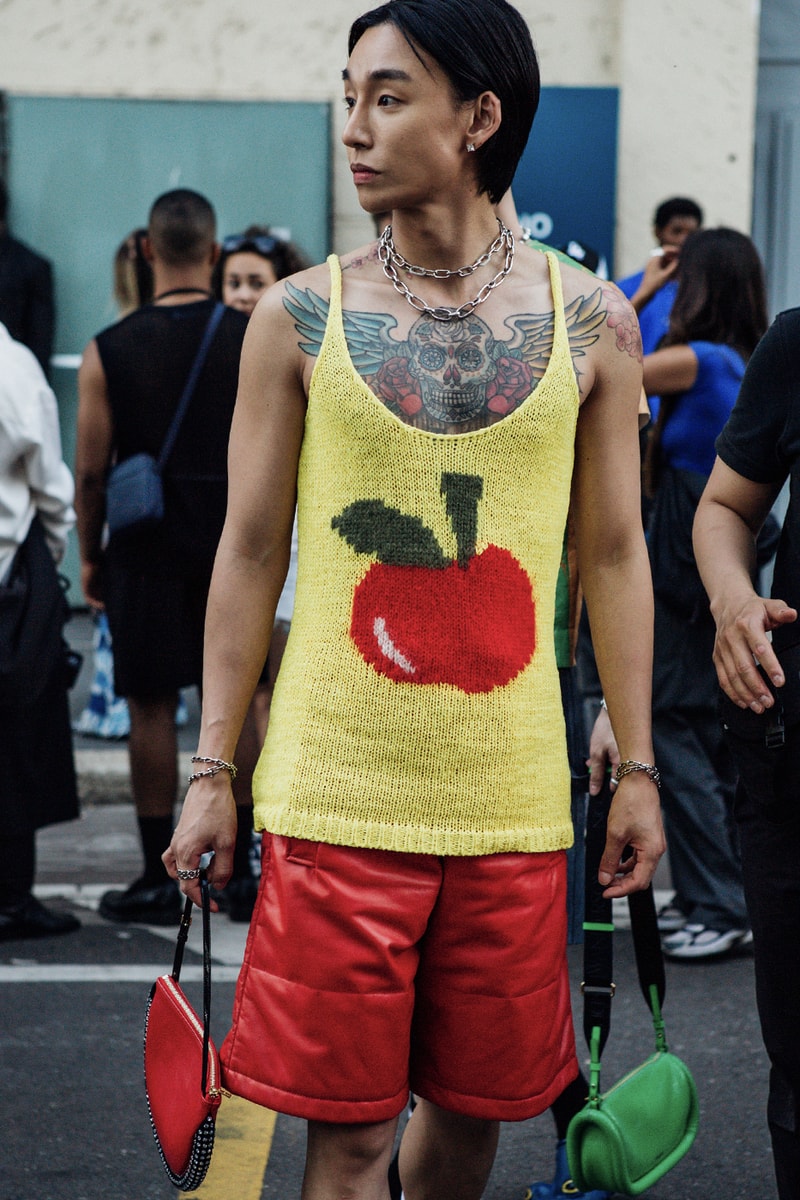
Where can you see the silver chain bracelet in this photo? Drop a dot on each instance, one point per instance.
(217, 765)
(630, 765)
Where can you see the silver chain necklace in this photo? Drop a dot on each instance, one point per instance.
(390, 260)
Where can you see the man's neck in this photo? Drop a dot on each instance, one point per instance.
(180, 286)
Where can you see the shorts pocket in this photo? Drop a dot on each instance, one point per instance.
(302, 851)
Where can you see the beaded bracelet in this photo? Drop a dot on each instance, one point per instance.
(630, 765)
(217, 765)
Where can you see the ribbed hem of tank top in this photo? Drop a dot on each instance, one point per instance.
(417, 839)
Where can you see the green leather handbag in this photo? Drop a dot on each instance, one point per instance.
(627, 1138)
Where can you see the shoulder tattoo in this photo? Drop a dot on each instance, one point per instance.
(623, 320)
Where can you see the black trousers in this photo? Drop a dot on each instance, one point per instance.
(767, 811)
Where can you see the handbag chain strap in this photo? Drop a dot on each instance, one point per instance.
(598, 987)
(183, 933)
(186, 394)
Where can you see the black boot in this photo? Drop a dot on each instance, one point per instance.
(144, 902)
(28, 918)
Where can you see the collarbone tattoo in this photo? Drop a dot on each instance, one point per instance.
(453, 376)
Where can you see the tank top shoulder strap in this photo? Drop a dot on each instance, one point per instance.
(333, 347)
(335, 318)
(561, 338)
(335, 268)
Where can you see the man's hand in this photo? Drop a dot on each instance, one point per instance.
(603, 752)
(634, 821)
(742, 644)
(92, 585)
(659, 268)
(207, 822)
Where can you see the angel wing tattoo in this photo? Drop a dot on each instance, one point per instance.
(367, 334)
(533, 335)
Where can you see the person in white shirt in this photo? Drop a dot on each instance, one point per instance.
(36, 515)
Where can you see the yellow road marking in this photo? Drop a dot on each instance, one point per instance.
(241, 1150)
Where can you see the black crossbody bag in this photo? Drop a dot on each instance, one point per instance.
(134, 492)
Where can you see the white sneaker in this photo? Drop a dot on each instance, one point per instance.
(670, 918)
(698, 941)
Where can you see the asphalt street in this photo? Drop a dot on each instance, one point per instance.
(71, 1021)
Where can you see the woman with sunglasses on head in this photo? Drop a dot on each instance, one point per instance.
(252, 261)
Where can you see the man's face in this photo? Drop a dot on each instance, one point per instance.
(676, 231)
(405, 133)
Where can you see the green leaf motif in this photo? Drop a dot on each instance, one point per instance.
(395, 538)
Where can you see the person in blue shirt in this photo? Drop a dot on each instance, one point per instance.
(652, 290)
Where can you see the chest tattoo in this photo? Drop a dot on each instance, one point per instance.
(451, 376)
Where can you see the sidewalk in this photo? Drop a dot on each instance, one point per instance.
(102, 765)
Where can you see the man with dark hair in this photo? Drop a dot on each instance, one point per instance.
(154, 583)
(27, 308)
(433, 403)
(652, 290)
(182, 227)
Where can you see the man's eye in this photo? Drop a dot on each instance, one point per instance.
(385, 101)
(348, 102)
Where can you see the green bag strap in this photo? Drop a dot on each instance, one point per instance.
(598, 987)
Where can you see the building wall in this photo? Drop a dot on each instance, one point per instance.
(776, 206)
(687, 73)
(685, 69)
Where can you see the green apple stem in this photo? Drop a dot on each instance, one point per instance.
(462, 493)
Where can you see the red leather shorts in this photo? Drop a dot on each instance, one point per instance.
(369, 973)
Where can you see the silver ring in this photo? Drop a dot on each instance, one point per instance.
(193, 874)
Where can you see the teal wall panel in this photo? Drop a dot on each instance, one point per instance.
(83, 172)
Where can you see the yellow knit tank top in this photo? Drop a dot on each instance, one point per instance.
(418, 705)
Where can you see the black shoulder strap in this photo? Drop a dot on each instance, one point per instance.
(598, 986)
(598, 948)
(191, 382)
(183, 933)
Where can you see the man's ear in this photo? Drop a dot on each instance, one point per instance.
(216, 250)
(147, 249)
(486, 117)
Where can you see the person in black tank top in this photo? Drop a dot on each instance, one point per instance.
(154, 584)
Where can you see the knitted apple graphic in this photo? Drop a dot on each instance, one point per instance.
(420, 617)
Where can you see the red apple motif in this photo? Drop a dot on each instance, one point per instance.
(419, 617)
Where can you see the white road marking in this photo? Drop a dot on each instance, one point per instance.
(106, 973)
(227, 947)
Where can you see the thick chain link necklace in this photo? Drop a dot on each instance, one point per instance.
(390, 260)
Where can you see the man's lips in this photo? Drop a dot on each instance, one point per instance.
(362, 174)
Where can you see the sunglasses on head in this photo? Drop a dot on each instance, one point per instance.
(264, 243)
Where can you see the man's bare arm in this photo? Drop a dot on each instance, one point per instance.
(249, 572)
(615, 574)
(92, 460)
(729, 516)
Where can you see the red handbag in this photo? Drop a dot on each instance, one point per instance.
(181, 1065)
